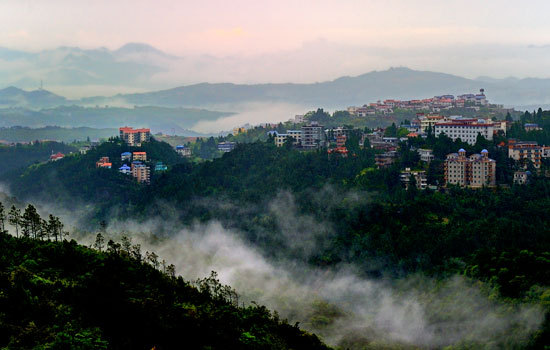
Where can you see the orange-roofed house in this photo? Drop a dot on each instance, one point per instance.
(105, 165)
(140, 156)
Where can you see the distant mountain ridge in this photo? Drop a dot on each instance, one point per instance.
(120, 64)
(401, 83)
(15, 97)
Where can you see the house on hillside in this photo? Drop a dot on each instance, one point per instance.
(56, 156)
(125, 169)
(142, 156)
(183, 151)
(126, 156)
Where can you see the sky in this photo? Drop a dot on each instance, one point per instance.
(498, 37)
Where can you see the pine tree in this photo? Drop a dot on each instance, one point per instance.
(2, 218)
(126, 243)
(14, 218)
(99, 242)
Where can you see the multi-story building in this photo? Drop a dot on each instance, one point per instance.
(521, 177)
(239, 130)
(142, 156)
(341, 140)
(141, 172)
(465, 129)
(385, 159)
(313, 135)
(280, 139)
(428, 121)
(134, 137)
(480, 98)
(475, 171)
(226, 146)
(525, 150)
(426, 155)
(183, 151)
(419, 176)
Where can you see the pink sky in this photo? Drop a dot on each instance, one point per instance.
(300, 41)
(253, 27)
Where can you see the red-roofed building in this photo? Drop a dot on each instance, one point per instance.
(103, 162)
(134, 137)
(56, 156)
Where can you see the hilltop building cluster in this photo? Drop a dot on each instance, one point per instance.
(434, 104)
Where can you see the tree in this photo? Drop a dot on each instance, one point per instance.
(152, 258)
(99, 242)
(44, 230)
(136, 252)
(171, 270)
(14, 218)
(391, 131)
(2, 218)
(56, 227)
(112, 247)
(126, 243)
(30, 222)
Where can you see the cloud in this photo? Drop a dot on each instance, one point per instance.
(251, 113)
(339, 303)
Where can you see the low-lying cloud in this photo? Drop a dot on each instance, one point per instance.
(339, 303)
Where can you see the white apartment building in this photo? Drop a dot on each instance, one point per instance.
(466, 130)
(426, 155)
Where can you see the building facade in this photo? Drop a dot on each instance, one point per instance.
(141, 172)
(465, 130)
(419, 177)
(313, 135)
(134, 137)
(126, 156)
(426, 155)
(522, 151)
(183, 151)
(226, 146)
(141, 156)
(475, 171)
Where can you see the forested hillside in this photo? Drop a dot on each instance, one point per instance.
(21, 156)
(61, 295)
(349, 211)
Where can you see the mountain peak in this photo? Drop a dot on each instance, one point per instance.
(138, 48)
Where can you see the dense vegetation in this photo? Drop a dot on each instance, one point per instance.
(21, 156)
(25, 134)
(61, 295)
(500, 236)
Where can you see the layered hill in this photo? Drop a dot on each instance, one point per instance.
(61, 295)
